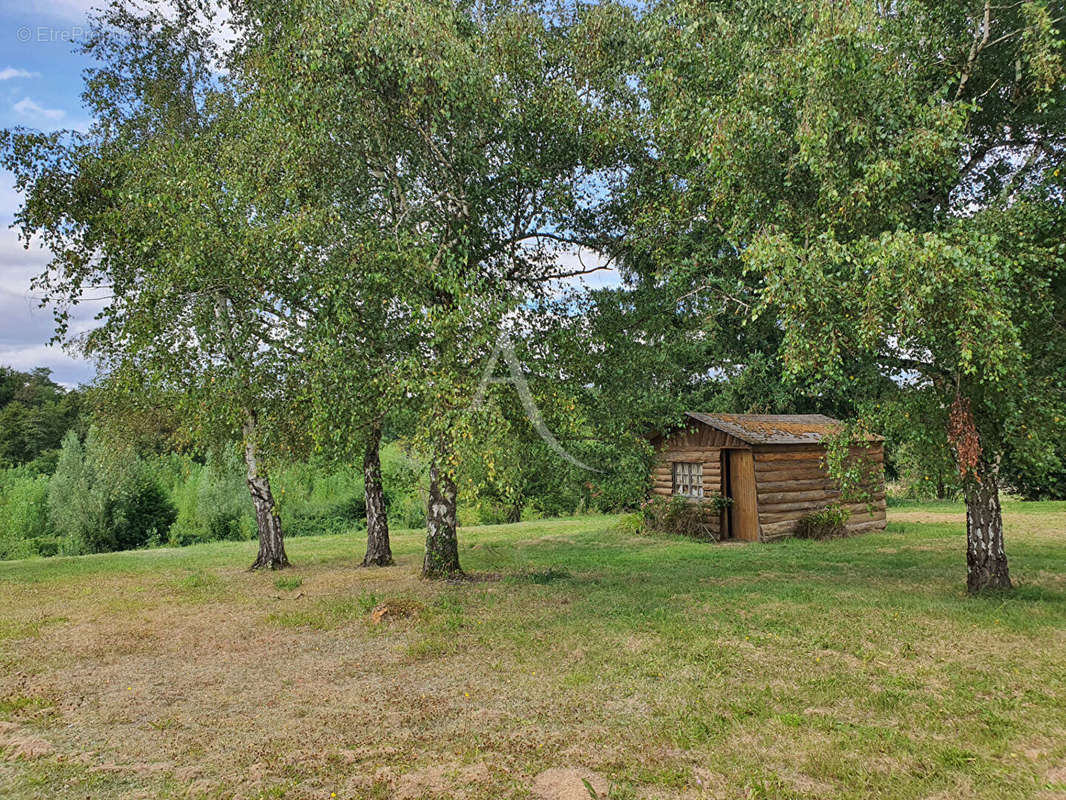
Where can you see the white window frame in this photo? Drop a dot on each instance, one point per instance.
(688, 479)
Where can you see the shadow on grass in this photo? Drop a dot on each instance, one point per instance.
(540, 577)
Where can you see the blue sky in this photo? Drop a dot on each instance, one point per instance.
(40, 87)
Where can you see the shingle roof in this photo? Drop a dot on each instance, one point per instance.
(774, 428)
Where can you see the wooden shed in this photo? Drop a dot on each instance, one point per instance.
(771, 466)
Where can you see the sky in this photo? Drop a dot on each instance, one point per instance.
(40, 87)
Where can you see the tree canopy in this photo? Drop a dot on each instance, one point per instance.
(889, 176)
(35, 414)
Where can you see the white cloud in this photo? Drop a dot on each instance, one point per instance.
(19, 264)
(31, 110)
(67, 369)
(598, 274)
(25, 327)
(7, 73)
(10, 200)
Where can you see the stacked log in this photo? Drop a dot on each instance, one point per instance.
(793, 482)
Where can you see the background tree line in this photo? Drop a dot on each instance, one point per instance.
(104, 484)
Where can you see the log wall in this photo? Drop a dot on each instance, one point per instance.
(793, 482)
(699, 443)
(662, 479)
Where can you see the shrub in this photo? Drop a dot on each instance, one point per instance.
(46, 545)
(182, 536)
(315, 499)
(1035, 476)
(314, 518)
(487, 512)
(827, 523)
(401, 476)
(679, 515)
(140, 515)
(76, 506)
(630, 523)
(225, 526)
(212, 500)
(24, 528)
(926, 473)
(624, 485)
(101, 500)
(223, 505)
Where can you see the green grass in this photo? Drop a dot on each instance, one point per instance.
(288, 583)
(854, 668)
(953, 507)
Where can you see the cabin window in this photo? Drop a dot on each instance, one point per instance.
(688, 478)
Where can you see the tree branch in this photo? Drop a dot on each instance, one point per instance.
(980, 41)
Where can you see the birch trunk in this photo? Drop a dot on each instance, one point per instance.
(986, 560)
(378, 550)
(442, 543)
(271, 543)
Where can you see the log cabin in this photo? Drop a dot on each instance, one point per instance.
(772, 467)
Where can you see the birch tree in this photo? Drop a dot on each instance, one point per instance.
(467, 145)
(890, 177)
(151, 211)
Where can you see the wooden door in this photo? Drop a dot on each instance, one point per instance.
(726, 530)
(744, 513)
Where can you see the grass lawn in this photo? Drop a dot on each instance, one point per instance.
(653, 667)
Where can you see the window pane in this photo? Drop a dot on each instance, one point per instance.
(688, 478)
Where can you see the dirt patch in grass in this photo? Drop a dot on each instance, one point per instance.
(927, 517)
(14, 744)
(439, 780)
(569, 783)
(1018, 518)
(392, 610)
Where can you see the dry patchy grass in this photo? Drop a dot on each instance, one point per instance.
(656, 668)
